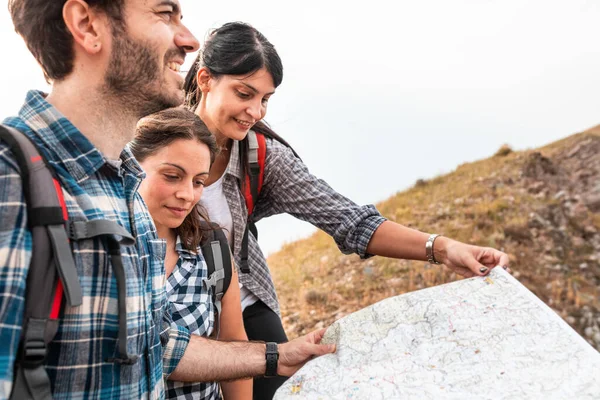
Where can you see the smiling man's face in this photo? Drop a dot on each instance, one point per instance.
(147, 50)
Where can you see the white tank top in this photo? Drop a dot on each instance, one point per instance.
(215, 203)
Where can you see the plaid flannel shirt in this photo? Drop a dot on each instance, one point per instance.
(193, 307)
(94, 188)
(288, 187)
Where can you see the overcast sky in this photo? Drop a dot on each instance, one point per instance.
(378, 94)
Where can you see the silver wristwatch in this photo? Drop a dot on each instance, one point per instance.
(429, 249)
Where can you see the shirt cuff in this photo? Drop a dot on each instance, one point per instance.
(368, 228)
(173, 350)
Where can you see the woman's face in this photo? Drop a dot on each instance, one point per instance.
(232, 104)
(175, 177)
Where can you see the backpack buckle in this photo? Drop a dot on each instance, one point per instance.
(35, 348)
(34, 353)
(254, 169)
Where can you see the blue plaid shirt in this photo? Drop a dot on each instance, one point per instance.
(94, 188)
(193, 307)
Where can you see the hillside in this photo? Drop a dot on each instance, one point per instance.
(541, 206)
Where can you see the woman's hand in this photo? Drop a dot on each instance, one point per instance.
(468, 260)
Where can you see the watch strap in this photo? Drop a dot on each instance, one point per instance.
(272, 358)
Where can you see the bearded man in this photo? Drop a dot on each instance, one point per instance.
(110, 62)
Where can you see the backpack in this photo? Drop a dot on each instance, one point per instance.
(257, 152)
(52, 272)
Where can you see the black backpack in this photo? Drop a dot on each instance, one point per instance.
(52, 270)
(215, 249)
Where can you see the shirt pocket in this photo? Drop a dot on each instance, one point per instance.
(91, 328)
(191, 304)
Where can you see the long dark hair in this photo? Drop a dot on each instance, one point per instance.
(236, 48)
(159, 130)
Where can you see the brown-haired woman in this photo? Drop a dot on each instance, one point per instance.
(230, 86)
(176, 150)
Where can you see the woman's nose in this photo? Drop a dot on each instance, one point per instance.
(186, 192)
(255, 111)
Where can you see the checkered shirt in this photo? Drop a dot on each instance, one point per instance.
(193, 307)
(87, 335)
(288, 187)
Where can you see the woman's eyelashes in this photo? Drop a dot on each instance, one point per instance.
(243, 95)
(177, 178)
(248, 96)
(171, 178)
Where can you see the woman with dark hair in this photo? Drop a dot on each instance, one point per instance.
(229, 87)
(176, 150)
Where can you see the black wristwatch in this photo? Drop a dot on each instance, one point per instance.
(272, 356)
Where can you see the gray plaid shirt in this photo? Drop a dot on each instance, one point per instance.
(289, 187)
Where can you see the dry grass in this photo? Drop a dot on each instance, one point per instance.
(483, 202)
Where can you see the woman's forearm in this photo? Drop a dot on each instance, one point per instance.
(398, 241)
(237, 390)
(232, 328)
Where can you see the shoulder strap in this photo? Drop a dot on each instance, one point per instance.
(257, 153)
(52, 258)
(47, 213)
(116, 236)
(215, 250)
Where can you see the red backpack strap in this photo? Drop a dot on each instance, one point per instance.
(58, 293)
(257, 152)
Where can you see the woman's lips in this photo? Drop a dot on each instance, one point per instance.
(179, 212)
(243, 125)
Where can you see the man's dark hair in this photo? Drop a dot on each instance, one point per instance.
(41, 24)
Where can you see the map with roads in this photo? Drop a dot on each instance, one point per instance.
(483, 337)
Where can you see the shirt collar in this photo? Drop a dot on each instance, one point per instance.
(183, 252)
(233, 167)
(130, 164)
(61, 142)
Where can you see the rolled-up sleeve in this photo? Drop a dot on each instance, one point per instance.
(290, 188)
(15, 254)
(174, 339)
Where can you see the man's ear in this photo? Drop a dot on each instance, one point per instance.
(204, 79)
(88, 27)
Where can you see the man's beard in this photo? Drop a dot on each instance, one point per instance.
(133, 77)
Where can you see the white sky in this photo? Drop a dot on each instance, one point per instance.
(378, 94)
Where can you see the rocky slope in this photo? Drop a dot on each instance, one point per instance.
(541, 206)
